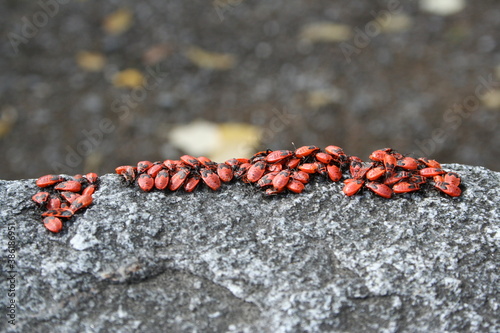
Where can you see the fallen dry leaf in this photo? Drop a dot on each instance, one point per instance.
(492, 99)
(118, 22)
(90, 61)
(442, 7)
(321, 97)
(197, 138)
(210, 60)
(237, 140)
(128, 78)
(218, 142)
(394, 23)
(8, 117)
(325, 32)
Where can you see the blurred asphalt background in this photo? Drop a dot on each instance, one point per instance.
(87, 86)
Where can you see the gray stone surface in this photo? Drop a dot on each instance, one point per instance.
(237, 261)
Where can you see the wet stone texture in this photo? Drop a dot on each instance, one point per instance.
(237, 261)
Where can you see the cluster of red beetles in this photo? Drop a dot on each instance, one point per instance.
(63, 197)
(279, 171)
(275, 172)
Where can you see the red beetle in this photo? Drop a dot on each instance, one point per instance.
(334, 172)
(41, 197)
(407, 163)
(301, 176)
(295, 186)
(353, 158)
(267, 179)
(354, 168)
(127, 171)
(161, 179)
(145, 182)
(375, 172)
(292, 163)
(260, 155)
(352, 186)
(321, 168)
(143, 166)
(171, 165)
(278, 155)
(324, 158)
(336, 152)
(70, 196)
(210, 178)
(380, 189)
(378, 155)
(305, 151)
(358, 170)
(274, 191)
(308, 167)
(206, 162)
(281, 179)
(178, 179)
(53, 203)
(59, 212)
(405, 187)
(452, 178)
(233, 162)
(389, 164)
(416, 179)
(79, 178)
(256, 171)
(191, 161)
(155, 168)
(437, 179)
(430, 163)
(225, 172)
(274, 167)
(431, 172)
(396, 177)
(91, 177)
(450, 189)
(242, 160)
(49, 180)
(69, 185)
(89, 190)
(192, 182)
(241, 170)
(53, 224)
(81, 202)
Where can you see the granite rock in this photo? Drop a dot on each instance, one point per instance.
(234, 260)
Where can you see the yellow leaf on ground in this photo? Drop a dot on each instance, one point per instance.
(492, 99)
(128, 78)
(8, 117)
(322, 97)
(90, 61)
(197, 138)
(442, 7)
(325, 32)
(237, 140)
(394, 23)
(118, 22)
(210, 60)
(218, 142)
